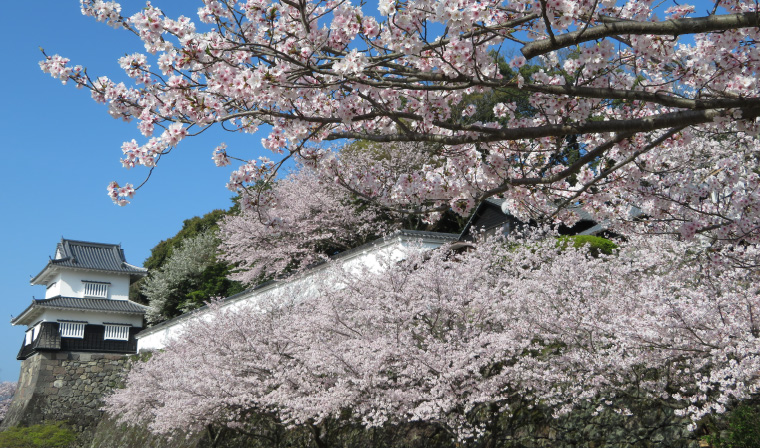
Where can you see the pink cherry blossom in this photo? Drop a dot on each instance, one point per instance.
(439, 335)
(638, 106)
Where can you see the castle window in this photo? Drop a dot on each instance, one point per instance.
(117, 332)
(32, 333)
(96, 289)
(72, 330)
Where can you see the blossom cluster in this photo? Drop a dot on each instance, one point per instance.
(655, 106)
(440, 335)
(7, 390)
(302, 219)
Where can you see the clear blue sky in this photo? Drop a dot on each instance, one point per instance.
(61, 149)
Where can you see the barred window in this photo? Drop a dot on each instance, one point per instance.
(72, 330)
(117, 332)
(95, 289)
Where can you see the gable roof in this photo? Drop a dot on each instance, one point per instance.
(30, 314)
(90, 256)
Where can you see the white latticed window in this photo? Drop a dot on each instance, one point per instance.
(96, 289)
(117, 332)
(72, 330)
(29, 336)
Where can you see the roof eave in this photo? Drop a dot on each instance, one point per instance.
(135, 313)
(27, 316)
(37, 279)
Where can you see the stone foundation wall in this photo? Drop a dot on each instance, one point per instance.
(65, 386)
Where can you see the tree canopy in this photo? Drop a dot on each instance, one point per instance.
(662, 99)
(439, 338)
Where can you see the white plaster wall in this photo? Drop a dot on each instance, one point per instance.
(71, 284)
(159, 339)
(55, 289)
(298, 288)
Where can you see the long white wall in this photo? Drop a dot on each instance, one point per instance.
(390, 249)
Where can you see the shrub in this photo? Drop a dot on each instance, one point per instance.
(596, 244)
(743, 428)
(49, 435)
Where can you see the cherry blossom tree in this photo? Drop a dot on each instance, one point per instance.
(7, 390)
(442, 335)
(302, 219)
(661, 99)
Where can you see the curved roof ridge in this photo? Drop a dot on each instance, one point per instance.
(90, 255)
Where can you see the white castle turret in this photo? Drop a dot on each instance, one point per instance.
(86, 306)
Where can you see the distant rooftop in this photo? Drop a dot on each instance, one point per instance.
(88, 255)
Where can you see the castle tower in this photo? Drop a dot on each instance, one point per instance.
(86, 306)
(77, 337)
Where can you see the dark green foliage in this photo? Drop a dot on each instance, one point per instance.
(597, 245)
(485, 102)
(190, 228)
(163, 250)
(190, 277)
(48, 435)
(211, 283)
(742, 428)
(194, 292)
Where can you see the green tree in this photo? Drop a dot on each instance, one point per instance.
(188, 277)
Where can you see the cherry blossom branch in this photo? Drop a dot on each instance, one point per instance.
(673, 27)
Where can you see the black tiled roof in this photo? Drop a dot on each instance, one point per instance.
(495, 201)
(87, 255)
(487, 215)
(100, 256)
(108, 305)
(85, 304)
